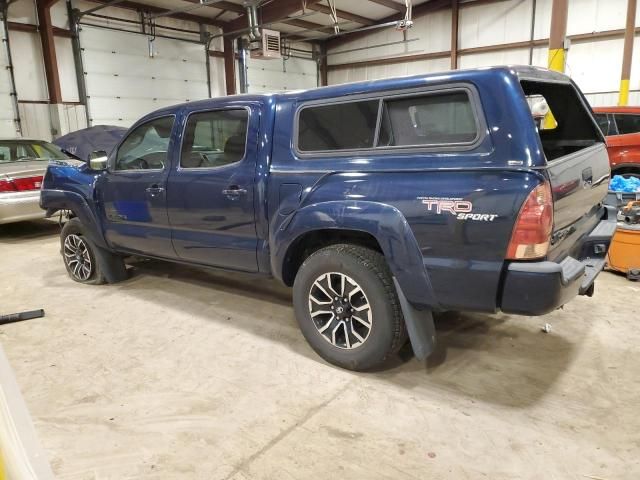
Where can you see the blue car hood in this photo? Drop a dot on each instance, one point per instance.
(82, 142)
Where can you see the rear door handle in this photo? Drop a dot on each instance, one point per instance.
(234, 191)
(154, 189)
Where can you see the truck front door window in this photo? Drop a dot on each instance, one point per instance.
(146, 147)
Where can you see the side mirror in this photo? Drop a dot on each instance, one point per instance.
(98, 160)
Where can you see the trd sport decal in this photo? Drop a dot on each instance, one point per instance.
(461, 209)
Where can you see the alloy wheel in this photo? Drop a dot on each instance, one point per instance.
(77, 257)
(340, 310)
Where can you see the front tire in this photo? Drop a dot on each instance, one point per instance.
(347, 307)
(84, 261)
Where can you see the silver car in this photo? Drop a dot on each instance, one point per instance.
(23, 163)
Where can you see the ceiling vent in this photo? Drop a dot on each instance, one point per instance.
(268, 45)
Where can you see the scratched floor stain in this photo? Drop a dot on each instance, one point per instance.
(181, 373)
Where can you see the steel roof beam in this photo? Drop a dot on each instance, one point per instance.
(390, 4)
(141, 7)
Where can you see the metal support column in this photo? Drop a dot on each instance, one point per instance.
(323, 79)
(559, 14)
(532, 33)
(243, 49)
(557, 39)
(205, 38)
(229, 66)
(74, 25)
(49, 50)
(629, 34)
(454, 34)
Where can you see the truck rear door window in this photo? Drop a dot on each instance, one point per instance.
(214, 139)
(341, 126)
(434, 119)
(627, 123)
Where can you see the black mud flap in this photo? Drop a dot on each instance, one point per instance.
(420, 326)
(113, 269)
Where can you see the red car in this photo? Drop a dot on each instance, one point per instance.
(621, 126)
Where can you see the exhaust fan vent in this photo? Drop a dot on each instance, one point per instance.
(270, 47)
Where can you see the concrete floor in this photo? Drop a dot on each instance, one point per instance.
(181, 373)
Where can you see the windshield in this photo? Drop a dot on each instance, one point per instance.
(26, 150)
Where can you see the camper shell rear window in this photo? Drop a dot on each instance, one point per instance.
(563, 120)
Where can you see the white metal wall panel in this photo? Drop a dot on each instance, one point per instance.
(66, 69)
(28, 66)
(35, 121)
(277, 75)
(585, 16)
(356, 74)
(218, 86)
(125, 83)
(433, 34)
(7, 123)
(600, 75)
(72, 118)
(494, 23)
(507, 57)
(24, 11)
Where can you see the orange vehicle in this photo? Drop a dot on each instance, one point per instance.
(621, 126)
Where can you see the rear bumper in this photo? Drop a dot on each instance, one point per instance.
(537, 288)
(19, 206)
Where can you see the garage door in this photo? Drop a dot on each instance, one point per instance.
(277, 75)
(7, 124)
(124, 82)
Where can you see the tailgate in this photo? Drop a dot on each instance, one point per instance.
(577, 164)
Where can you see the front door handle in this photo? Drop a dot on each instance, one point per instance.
(154, 190)
(234, 191)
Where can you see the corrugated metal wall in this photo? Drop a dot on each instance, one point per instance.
(278, 75)
(594, 64)
(122, 80)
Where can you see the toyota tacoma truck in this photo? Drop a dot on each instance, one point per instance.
(379, 202)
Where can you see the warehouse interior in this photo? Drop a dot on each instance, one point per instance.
(120, 81)
(185, 372)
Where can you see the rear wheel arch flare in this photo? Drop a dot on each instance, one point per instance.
(309, 242)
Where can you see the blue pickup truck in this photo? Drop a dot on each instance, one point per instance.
(379, 202)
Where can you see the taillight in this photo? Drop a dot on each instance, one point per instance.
(21, 184)
(532, 232)
(7, 186)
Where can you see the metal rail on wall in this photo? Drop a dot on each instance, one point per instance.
(4, 7)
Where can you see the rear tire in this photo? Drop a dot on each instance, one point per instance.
(84, 261)
(347, 307)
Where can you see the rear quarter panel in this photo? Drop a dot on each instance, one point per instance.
(463, 258)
